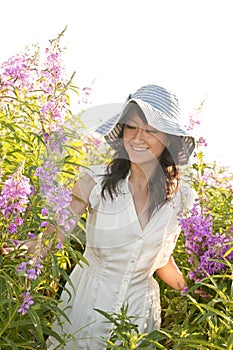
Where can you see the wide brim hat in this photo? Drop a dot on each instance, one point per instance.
(162, 111)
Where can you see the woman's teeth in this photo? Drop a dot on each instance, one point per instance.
(139, 149)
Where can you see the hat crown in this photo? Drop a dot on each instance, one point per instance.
(160, 99)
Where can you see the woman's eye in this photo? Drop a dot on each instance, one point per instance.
(152, 131)
(128, 126)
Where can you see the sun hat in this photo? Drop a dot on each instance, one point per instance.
(162, 111)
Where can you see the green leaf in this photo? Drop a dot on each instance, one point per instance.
(37, 324)
(55, 267)
(198, 342)
(230, 341)
(8, 342)
(6, 301)
(50, 332)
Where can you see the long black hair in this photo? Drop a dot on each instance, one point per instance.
(164, 181)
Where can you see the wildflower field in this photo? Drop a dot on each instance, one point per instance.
(41, 154)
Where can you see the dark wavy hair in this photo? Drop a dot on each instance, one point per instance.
(164, 181)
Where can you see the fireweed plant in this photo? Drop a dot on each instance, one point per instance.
(209, 251)
(40, 156)
(208, 228)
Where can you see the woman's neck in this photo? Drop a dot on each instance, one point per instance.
(140, 174)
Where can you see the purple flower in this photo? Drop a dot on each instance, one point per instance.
(69, 225)
(18, 72)
(31, 235)
(192, 123)
(183, 292)
(12, 228)
(44, 212)
(57, 198)
(22, 267)
(44, 224)
(16, 243)
(32, 269)
(32, 274)
(59, 245)
(202, 142)
(19, 221)
(38, 266)
(26, 303)
(205, 248)
(14, 199)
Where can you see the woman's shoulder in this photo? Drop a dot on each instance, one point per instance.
(187, 193)
(89, 184)
(94, 172)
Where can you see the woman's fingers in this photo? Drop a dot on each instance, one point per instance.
(6, 249)
(202, 293)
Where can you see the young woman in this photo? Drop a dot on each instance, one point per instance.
(134, 205)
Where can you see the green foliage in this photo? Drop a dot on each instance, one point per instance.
(125, 334)
(214, 186)
(193, 322)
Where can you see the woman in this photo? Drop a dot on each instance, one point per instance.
(134, 205)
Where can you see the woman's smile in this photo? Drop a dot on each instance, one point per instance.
(139, 148)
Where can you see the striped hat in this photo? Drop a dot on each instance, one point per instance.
(161, 110)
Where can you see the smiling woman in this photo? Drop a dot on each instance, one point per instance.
(133, 224)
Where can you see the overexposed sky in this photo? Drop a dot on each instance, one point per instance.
(184, 45)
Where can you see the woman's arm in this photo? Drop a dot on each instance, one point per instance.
(80, 194)
(172, 275)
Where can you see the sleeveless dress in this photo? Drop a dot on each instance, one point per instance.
(122, 259)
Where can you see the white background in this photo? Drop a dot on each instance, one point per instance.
(183, 45)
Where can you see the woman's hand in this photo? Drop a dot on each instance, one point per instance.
(171, 275)
(201, 293)
(15, 245)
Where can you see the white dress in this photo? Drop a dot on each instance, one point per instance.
(122, 259)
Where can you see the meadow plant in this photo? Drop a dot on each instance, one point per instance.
(206, 249)
(40, 156)
(205, 254)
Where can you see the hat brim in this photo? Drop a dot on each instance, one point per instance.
(112, 128)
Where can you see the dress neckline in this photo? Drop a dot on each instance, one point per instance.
(142, 229)
(154, 216)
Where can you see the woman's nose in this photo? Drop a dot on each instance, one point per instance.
(140, 134)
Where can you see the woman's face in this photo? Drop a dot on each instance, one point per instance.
(142, 142)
